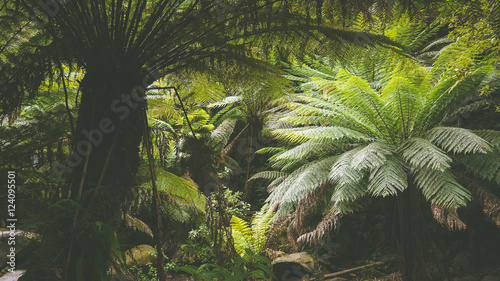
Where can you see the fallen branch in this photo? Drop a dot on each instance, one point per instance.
(331, 275)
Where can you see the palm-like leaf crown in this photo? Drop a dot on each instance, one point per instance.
(376, 137)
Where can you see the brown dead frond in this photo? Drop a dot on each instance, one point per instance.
(304, 208)
(489, 203)
(330, 222)
(138, 225)
(448, 218)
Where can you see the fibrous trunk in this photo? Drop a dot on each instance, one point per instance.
(412, 236)
(102, 165)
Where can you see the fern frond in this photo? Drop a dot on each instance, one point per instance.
(388, 178)
(310, 148)
(457, 140)
(447, 93)
(303, 181)
(255, 236)
(268, 175)
(493, 137)
(260, 226)
(242, 234)
(348, 207)
(137, 224)
(223, 132)
(160, 125)
(178, 191)
(271, 150)
(298, 135)
(357, 93)
(440, 188)
(484, 166)
(275, 183)
(225, 102)
(473, 107)
(421, 153)
(403, 102)
(371, 156)
(342, 171)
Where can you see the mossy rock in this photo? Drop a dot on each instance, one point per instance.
(294, 266)
(140, 255)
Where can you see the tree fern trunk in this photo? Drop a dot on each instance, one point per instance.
(103, 163)
(412, 237)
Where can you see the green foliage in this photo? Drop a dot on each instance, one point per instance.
(195, 253)
(152, 272)
(250, 267)
(180, 198)
(252, 237)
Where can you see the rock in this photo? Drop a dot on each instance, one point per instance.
(293, 267)
(140, 255)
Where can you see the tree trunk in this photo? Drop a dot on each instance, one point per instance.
(412, 238)
(103, 163)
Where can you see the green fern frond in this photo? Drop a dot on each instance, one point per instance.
(252, 237)
(310, 148)
(269, 175)
(225, 102)
(346, 193)
(160, 125)
(223, 132)
(349, 207)
(371, 156)
(299, 135)
(441, 188)
(457, 140)
(388, 178)
(342, 171)
(403, 102)
(178, 191)
(485, 166)
(242, 234)
(473, 107)
(308, 180)
(447, 93)
(260, 227)
(271, 150)
(302, 181)
(271, 186)
(493, 137)
(421, 153)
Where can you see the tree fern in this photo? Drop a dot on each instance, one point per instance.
(382, 135)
